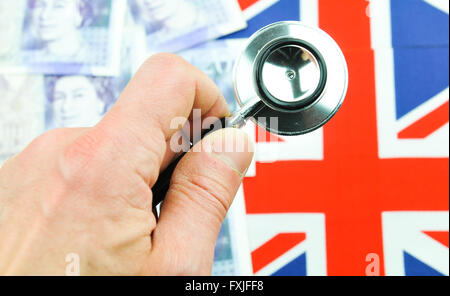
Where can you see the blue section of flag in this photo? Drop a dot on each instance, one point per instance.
(284, 10)
(417, 23)
(420, 74)
(296, 267)
(415, 267)
(420, 41)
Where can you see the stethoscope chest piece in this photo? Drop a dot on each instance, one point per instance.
(297, 71)
(290, 79)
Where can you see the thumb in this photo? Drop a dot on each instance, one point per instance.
(202, 189)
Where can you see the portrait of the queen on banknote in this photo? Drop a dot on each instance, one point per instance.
(173, 25)
(68, 37)
(78, 101)
(82, 100)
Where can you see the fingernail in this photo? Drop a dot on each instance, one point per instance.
(233, 147)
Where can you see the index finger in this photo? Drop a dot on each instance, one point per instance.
(137, 127)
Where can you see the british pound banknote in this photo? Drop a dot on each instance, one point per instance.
(32, 104)
(232, 251)
(173, 25)
(82, 100)
(22, 113)
(61, 36)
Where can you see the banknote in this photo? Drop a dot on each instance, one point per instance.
(78, 100)
(223, 252)
(216, 58)
(22, 113)
(173, 25)
(32, 104)
(61, 36)
(232, 252)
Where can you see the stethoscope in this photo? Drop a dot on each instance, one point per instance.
(289, 71)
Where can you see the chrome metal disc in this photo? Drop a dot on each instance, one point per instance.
(298, 71)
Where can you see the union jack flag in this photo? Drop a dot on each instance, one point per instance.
(369, 193)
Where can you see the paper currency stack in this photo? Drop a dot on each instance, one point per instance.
(63, 63)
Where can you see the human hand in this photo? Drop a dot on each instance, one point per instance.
(87, 191)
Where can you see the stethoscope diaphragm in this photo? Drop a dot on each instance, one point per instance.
(294, 73)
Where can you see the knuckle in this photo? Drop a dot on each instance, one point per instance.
(83, 151)
(83, 147)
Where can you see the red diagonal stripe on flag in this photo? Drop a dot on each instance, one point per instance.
(440, 236)
(246, 3)
(274, 248)
(426, 125)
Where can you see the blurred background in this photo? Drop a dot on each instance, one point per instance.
(368, 194)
